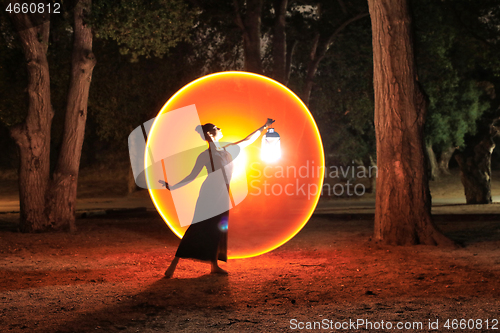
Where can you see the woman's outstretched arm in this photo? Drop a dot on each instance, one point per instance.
(252, 136)
(198, 166)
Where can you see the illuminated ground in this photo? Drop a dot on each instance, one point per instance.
(108, 278)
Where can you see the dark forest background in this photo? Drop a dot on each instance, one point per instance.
(456, 43)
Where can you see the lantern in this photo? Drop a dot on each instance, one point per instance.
(270, 150)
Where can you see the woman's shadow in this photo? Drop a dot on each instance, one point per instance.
(162, 299)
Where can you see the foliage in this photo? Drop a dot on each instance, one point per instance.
(342, 98)
(449, 57)
(216, 41)
(128, 94)
(149, 29)
(456, 44)
(143, 28)
(13, 76)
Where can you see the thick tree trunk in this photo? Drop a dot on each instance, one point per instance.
(433, 164)
(61, 200)
(444, 160)
(279, 41)
(403, 205)
(33, 135)
(250, 27)
(475, 169)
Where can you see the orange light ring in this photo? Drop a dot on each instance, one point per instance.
(304, 109)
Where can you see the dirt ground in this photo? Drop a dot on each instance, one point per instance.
(108, 277)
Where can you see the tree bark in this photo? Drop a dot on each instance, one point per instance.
(475, 169)
(33, 135)
(433, 164)
(403, 203)
(279, 42)
(250, 27)
(61, 200)
(444, 160)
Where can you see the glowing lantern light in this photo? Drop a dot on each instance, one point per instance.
(270, 150)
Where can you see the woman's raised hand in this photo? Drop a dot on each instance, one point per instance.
(164, 183)
(269, 122)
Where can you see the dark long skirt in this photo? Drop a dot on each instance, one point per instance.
(204, 240)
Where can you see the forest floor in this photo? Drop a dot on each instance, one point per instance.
(108, 277)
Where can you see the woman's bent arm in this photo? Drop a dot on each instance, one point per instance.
(194, 173)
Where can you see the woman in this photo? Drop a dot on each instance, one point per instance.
(207, 240)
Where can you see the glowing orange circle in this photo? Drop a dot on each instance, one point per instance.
(281, 196)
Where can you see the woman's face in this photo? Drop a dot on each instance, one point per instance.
(218, 134)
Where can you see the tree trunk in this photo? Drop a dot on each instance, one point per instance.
(250, 27)
(33, 135)
(475, 169)
(403, 205)
(444, 160)
(433, 164)
(312, 68)
(61, 202)
(279, 41)
(290, 50)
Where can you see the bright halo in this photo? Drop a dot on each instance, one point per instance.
(281, 195)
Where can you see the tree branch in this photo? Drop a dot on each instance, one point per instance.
(238, 20)
(312, 55)
(343, 6)
(290, 49)
(343, 25)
